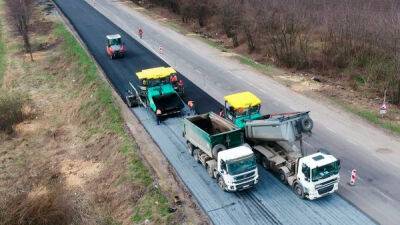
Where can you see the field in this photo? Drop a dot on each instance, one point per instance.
(70, 158)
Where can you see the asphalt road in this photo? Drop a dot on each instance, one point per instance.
(270, 201)
(370, 150)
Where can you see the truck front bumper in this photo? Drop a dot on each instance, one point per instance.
(327, 190)
(242, 186)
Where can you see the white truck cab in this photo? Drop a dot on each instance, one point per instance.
(317, 175)
(237, 169)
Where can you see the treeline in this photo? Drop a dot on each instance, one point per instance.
(359, 37)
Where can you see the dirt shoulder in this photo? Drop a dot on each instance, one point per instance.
(72, 160)
(338, 90)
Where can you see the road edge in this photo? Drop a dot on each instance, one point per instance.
(129, 115)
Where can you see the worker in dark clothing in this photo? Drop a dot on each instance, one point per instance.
(140, 33)
(158, 115)
(221, 112)
(191, 107)
(180, 86)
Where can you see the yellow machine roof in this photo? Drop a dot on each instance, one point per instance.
(155, 73)
(242, 100)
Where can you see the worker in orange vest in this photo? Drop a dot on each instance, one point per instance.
(158, 115)
(173, 79)
(191, 106)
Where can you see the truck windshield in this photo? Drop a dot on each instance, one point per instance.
(247, 112)
(242, 165)
(325, 171)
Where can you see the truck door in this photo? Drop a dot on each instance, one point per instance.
(304, 176)
(222, 166)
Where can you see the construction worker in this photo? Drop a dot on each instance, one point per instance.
(158, 115)
(221, 112)
(173, 79)
(180, 86)
(140, 33)
(191, 106)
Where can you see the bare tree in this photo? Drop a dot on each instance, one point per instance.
(20, 12)
(249, 22)
(361, 37)
(230, 19)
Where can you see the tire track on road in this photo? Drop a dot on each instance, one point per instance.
(256, 208)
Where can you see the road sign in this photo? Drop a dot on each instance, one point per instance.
(383, 109)
(353, 177)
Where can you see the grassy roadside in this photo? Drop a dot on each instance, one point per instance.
(103, 100)
(370, 115)
(75, 136)
(263, 68)
(2, 48)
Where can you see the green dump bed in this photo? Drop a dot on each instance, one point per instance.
(207, 130)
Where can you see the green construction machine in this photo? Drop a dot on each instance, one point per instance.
(156, 91)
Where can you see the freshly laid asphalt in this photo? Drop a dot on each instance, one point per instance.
(270, 202)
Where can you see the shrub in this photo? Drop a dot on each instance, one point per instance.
(11, 109)
(41, 207)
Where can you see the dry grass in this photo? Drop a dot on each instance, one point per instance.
(11, 110)
(72, 162)
(44, 207)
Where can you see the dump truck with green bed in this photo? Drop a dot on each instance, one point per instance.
(219, 146)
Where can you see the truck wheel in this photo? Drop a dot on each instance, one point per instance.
(298, 189)
(307, 124)
(282, 176)
(196, 155)
(217, 148)
(265, 162)
(190, 148)
(210, 172)
(221, 183)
